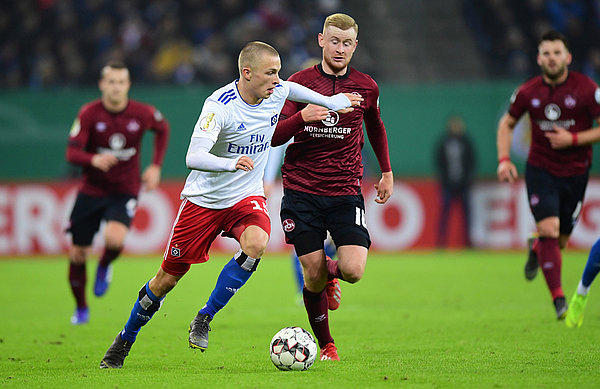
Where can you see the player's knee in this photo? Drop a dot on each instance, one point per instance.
(353, 275)
(548, 229)
(115, 235)
(255, 247)
(114, 243)
(78, 255)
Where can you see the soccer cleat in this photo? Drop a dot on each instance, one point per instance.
(199, 331)
(103, 279)
(575, 312)
(334, 294)
(116, 353)
(81, 316)
(560, 304)
(531, 266)
(329, 352)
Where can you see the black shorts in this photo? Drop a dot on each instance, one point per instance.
(89, 211)
(310, 216)
(551, 196)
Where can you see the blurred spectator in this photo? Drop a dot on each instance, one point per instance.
(507, 31)
(47, 43)
(455, 163)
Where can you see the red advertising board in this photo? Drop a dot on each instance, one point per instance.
(33, 218)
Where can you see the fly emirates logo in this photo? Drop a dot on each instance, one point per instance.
(258, 144)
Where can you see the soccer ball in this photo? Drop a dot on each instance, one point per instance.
(293, 348)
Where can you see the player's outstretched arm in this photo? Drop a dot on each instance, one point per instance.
(104, 161)
(337, 102)
(355, 100)
(198, 157)
(151, 177)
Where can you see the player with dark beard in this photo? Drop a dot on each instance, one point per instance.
(562, 106)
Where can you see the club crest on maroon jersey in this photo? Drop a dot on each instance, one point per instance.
(552, 112)
(288, 225)
(332, 119)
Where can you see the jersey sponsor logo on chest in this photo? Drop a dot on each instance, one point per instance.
(258, 143)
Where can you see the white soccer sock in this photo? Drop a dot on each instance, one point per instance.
(582, 290)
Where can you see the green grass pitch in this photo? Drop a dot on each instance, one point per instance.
(417, 319)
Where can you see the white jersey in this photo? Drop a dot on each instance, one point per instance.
(237, 128)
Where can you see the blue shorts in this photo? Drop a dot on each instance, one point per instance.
(553, 196)
(89, 211)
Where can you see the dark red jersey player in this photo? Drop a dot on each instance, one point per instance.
(105, 140)
(322, 174)
(98, 130)
(562, 106)
(325, 157)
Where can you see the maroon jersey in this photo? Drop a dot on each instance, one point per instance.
(325, 157)
(97, 130)
(572, 105)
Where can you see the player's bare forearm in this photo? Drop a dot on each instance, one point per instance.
(151, 177)
(314, 113)
(506, 171)
(560, 138)
(104, 161)
(385, 187)
(504, 136)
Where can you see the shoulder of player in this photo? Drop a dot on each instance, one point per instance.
(310, 72)
(306, 77)
(362, 83)
(582, 79)
(531, 84)
(223, 96)
(91, 108)
(362, 78)
(140, 108)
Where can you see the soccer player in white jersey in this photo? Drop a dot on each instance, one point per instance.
(224, 193)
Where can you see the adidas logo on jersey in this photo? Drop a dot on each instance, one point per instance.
(241, 127)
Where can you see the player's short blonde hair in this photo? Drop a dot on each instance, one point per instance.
(252, 52)
(341, 21)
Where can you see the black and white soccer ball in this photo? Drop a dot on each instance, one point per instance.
(293, 348)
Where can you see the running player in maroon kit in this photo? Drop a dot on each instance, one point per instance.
(562, 106)
(322, 174)
(105, 140)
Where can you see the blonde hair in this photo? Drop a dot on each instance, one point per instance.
(341, 21)
(252, 52)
